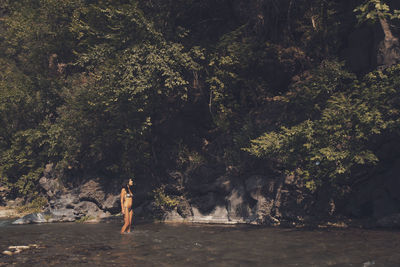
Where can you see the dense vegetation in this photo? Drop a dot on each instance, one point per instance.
(124, 87)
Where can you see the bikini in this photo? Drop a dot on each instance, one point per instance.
(129, 196)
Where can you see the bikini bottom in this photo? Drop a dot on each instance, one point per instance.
(129, 209)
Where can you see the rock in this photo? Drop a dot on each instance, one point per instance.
(31, 218)
(86, 208)
(205, 203)
(15, 203)
(68, 200)
(392, 221)
(223, 185)
(173, 216)
(17, 249)
(218, 215)
(92, 191)
(184, 209)
(388, 53)
(4, 191)
(51, 185)
(61, 215)
(262, 190)
(237, 206)
(7, 252)
(112, 204)
(202, 180)
(384, 206)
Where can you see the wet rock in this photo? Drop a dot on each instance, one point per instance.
(7, 252)
(31, 218)
(12, 250)
(173, 216)
(218, 215)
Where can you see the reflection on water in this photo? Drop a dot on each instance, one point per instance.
(73, 244)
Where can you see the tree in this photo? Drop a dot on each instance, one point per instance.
(378, 10)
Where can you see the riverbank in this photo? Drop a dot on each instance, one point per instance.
(9, 213)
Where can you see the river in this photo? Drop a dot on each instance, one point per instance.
(156, 244)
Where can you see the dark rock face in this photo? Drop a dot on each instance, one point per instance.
(184, 209)
(388, 53)
(51, 185)
(91, 200)
(255, 200)
(369, 48)
(392, 221)
(378, 197)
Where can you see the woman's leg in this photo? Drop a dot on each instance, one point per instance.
(126, 221)
(130, 220)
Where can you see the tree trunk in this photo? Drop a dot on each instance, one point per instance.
(389, 48)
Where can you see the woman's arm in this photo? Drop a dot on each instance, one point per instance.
(122, 200)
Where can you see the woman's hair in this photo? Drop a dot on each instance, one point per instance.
(126, 186)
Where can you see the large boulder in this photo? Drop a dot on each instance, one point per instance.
(92, 191)
(92, 200)
(90, 209)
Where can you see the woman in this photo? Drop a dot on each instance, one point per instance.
(126, 206)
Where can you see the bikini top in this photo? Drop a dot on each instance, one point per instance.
(128, 195)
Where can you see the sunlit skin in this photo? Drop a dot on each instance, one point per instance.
(126, 208)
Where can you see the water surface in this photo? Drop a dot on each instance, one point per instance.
(74, 244)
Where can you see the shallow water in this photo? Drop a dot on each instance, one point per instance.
(74, 244)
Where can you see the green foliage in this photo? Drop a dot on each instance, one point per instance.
(84, 219)
(327, 149)
(164, 201)
(189, 159)
(36, 205)
(372, 10)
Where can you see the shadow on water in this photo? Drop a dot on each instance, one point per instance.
(73, 244)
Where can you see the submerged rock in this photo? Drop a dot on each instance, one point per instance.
(18, 249)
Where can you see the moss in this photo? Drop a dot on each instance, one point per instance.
(84, 219)
(36, 205)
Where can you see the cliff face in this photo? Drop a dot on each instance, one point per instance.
(228, 199)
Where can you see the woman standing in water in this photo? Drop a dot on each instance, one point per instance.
(126, 205)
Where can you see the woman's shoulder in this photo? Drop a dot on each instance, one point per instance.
(123, 190)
